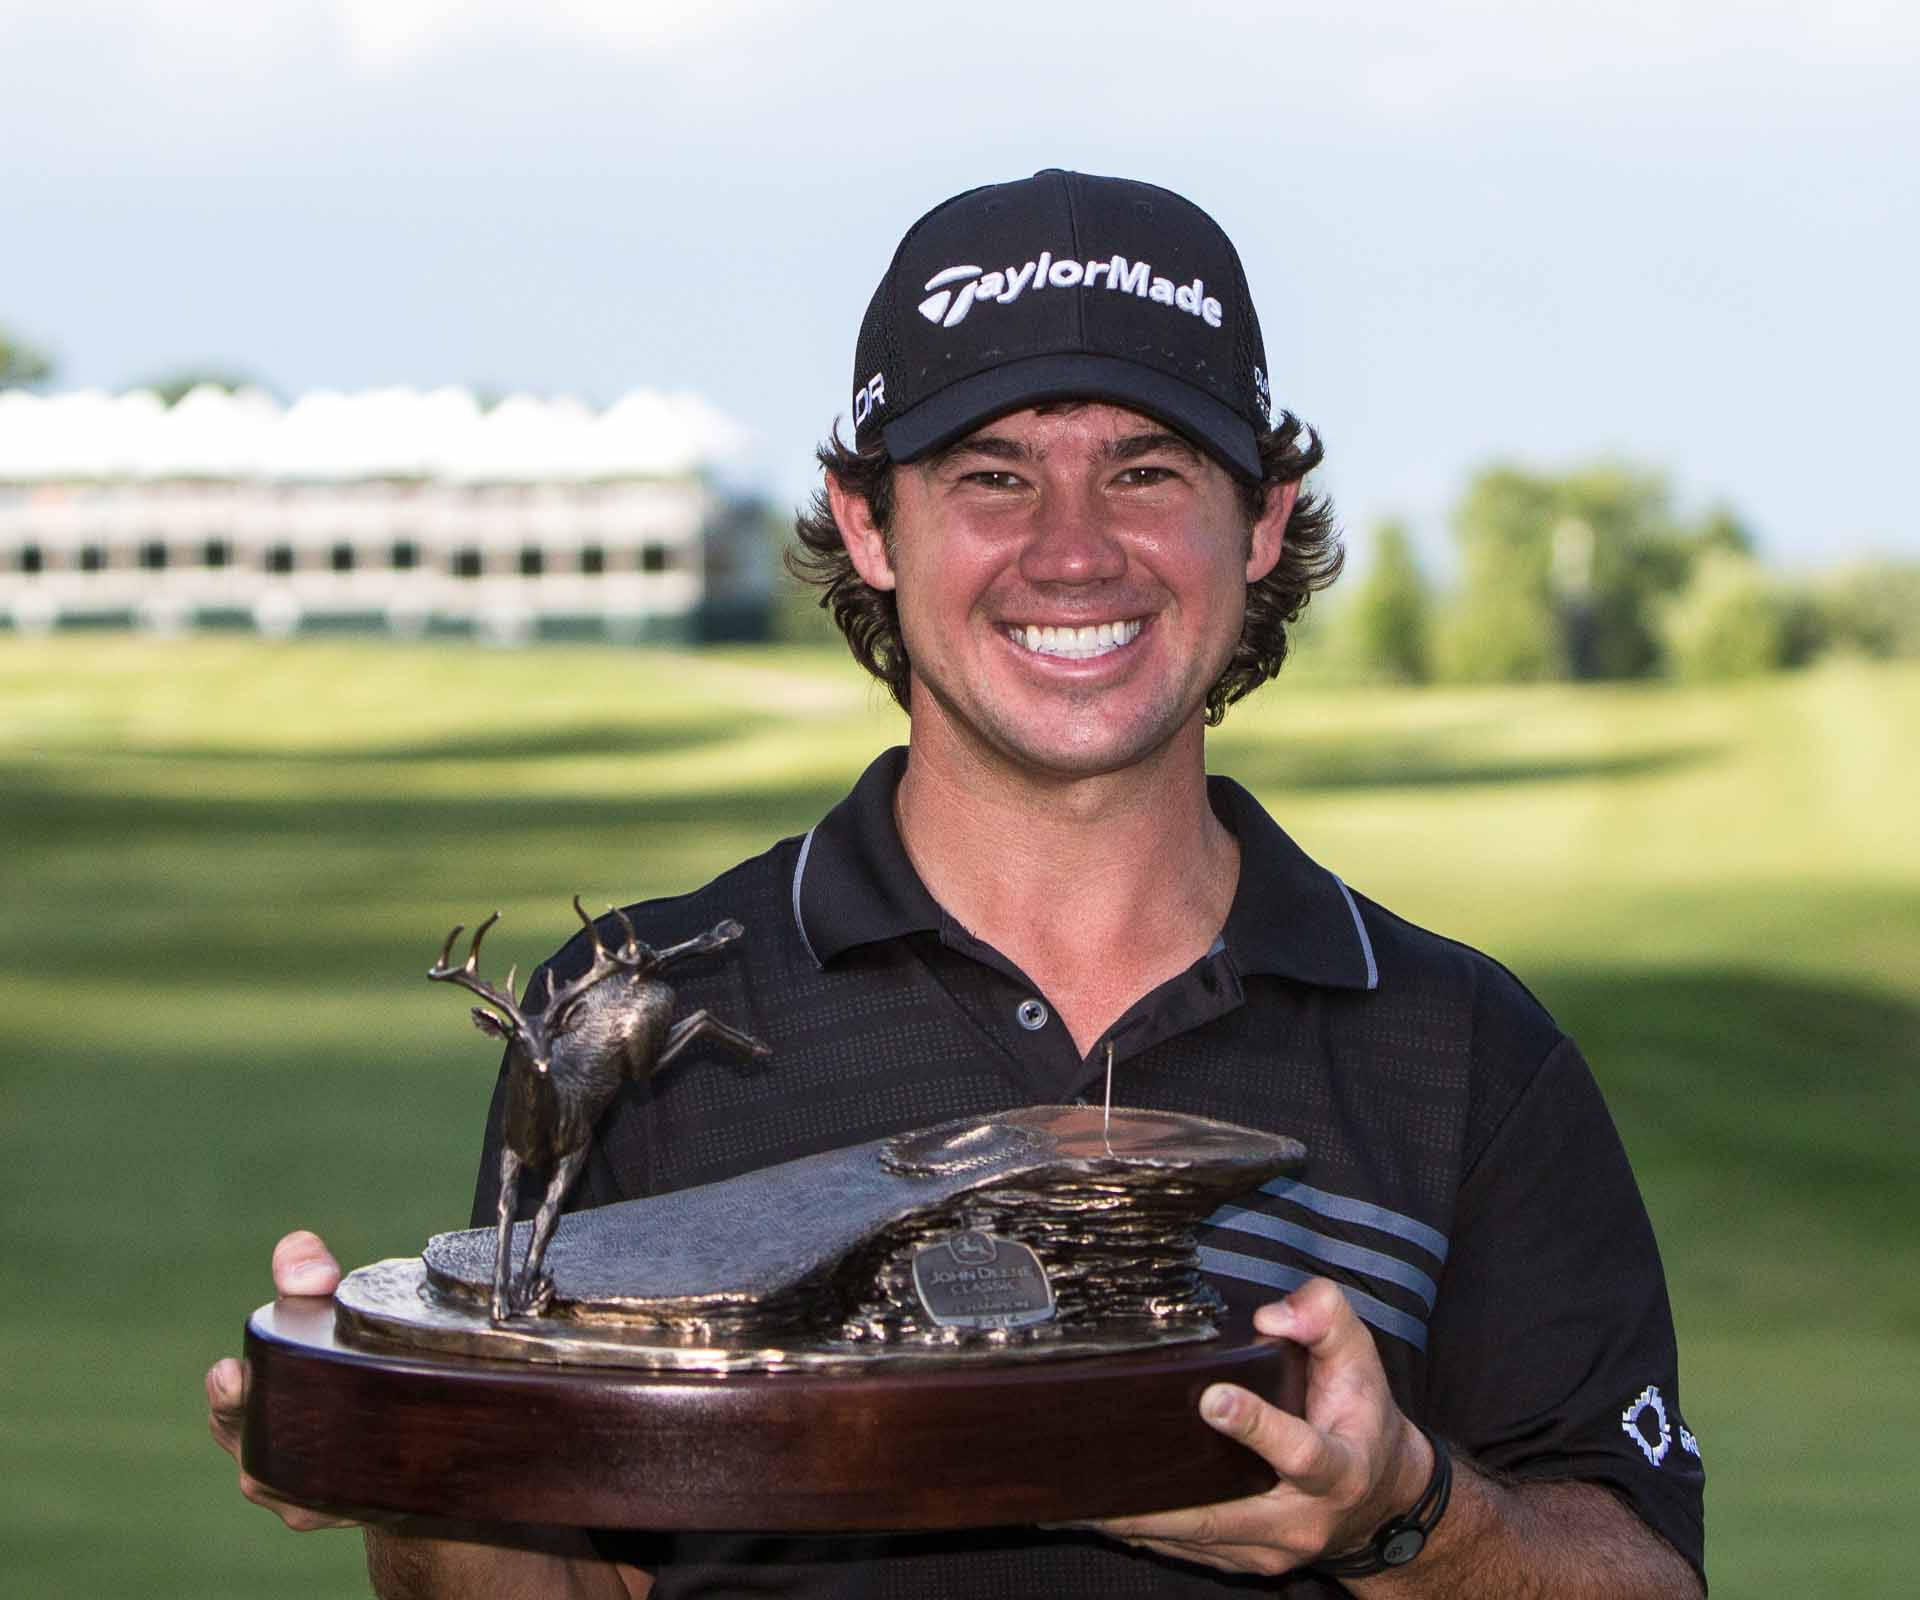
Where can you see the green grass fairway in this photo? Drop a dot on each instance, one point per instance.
(225, 863)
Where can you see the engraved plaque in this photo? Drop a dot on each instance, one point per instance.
(979, 1280)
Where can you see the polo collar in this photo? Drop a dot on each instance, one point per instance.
(1290, 917)
(854, 884)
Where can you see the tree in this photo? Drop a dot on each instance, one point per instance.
(1727, 623)
(1391, 612)
(22, 366)
(1873, 609)
(174, 387)
(1722, 529)
(1563, 574)
(1497, 631)
(1501, 627)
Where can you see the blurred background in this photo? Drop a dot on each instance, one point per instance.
(400, 407)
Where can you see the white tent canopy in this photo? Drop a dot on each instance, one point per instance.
(89, 436)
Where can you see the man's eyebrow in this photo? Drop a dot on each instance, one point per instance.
(1133, 446)
(994, 446)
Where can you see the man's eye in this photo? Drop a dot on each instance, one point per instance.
(993, 480)
(1147, 475)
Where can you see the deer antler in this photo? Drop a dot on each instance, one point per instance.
(467, 976)
(628, 958)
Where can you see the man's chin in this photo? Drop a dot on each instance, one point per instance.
(1080, 755)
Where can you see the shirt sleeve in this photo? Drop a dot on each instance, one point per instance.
(1551, 1350)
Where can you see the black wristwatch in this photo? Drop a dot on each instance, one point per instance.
(1401, 1538)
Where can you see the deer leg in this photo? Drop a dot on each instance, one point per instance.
(717, 937)
(692, 1027)
(503, 1231)
(535, 1291)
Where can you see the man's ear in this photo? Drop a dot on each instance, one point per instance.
(1269, 534)
(865, 543)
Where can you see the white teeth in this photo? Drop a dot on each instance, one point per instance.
(1076, 644)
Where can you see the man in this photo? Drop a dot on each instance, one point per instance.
(1067, 535)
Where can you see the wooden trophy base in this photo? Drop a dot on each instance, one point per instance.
(802, 1452)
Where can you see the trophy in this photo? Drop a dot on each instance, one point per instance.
(932, 1330)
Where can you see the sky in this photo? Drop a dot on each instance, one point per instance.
(1683, 234)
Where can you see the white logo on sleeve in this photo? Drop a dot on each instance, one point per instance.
(947, 305)
(1645, 1423)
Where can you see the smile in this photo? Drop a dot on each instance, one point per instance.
(1076, 644)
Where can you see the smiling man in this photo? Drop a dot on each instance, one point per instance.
(1068, 534)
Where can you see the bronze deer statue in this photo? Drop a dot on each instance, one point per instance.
(565, 1063)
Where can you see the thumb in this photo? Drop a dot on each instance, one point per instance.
(302, 1264)
(1317, 1316)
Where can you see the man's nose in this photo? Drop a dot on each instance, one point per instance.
(1071, 541)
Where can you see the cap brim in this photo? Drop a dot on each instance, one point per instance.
(961, 407)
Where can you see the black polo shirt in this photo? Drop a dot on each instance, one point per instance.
(1464, 1184)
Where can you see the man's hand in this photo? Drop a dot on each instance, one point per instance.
(412, 1558)
(1351, 1463)
(302, 1264)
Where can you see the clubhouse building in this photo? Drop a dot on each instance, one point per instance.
(391, 510)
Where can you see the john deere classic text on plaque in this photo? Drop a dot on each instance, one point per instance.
(928, 1330)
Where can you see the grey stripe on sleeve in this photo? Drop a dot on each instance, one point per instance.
(1388, 1319)
(1357, 1258)
(1344, 1209)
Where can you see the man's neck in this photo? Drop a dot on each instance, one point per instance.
(1100, 888)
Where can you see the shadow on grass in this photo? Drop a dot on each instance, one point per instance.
(1795, 1092)
(37, 809)
(1412, 764)
(286, 889)
(653, 737)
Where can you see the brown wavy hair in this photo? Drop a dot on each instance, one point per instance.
(1310, 559)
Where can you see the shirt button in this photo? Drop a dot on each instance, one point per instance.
(1031, 1015)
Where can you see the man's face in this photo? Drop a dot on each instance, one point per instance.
(1070, 583)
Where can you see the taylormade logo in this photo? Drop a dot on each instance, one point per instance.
(948, 305)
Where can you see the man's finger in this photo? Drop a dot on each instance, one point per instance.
(1346, 1386)
(1299, 1453)
(302, 1264)
(302, 1519)
(1196, 1526)
(1317, 1316)
(226, 1402)
(1266, 1560)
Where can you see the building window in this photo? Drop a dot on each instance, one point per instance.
(92, 557)
(593, 559)
(32, 558)
(533, 561)
(340, 558)
(406, 555)
(153, 555)
(653, 558)
(280, 558)
(466, 563)
(217, 553)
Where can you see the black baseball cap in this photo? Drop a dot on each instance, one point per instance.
(1062, 286)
